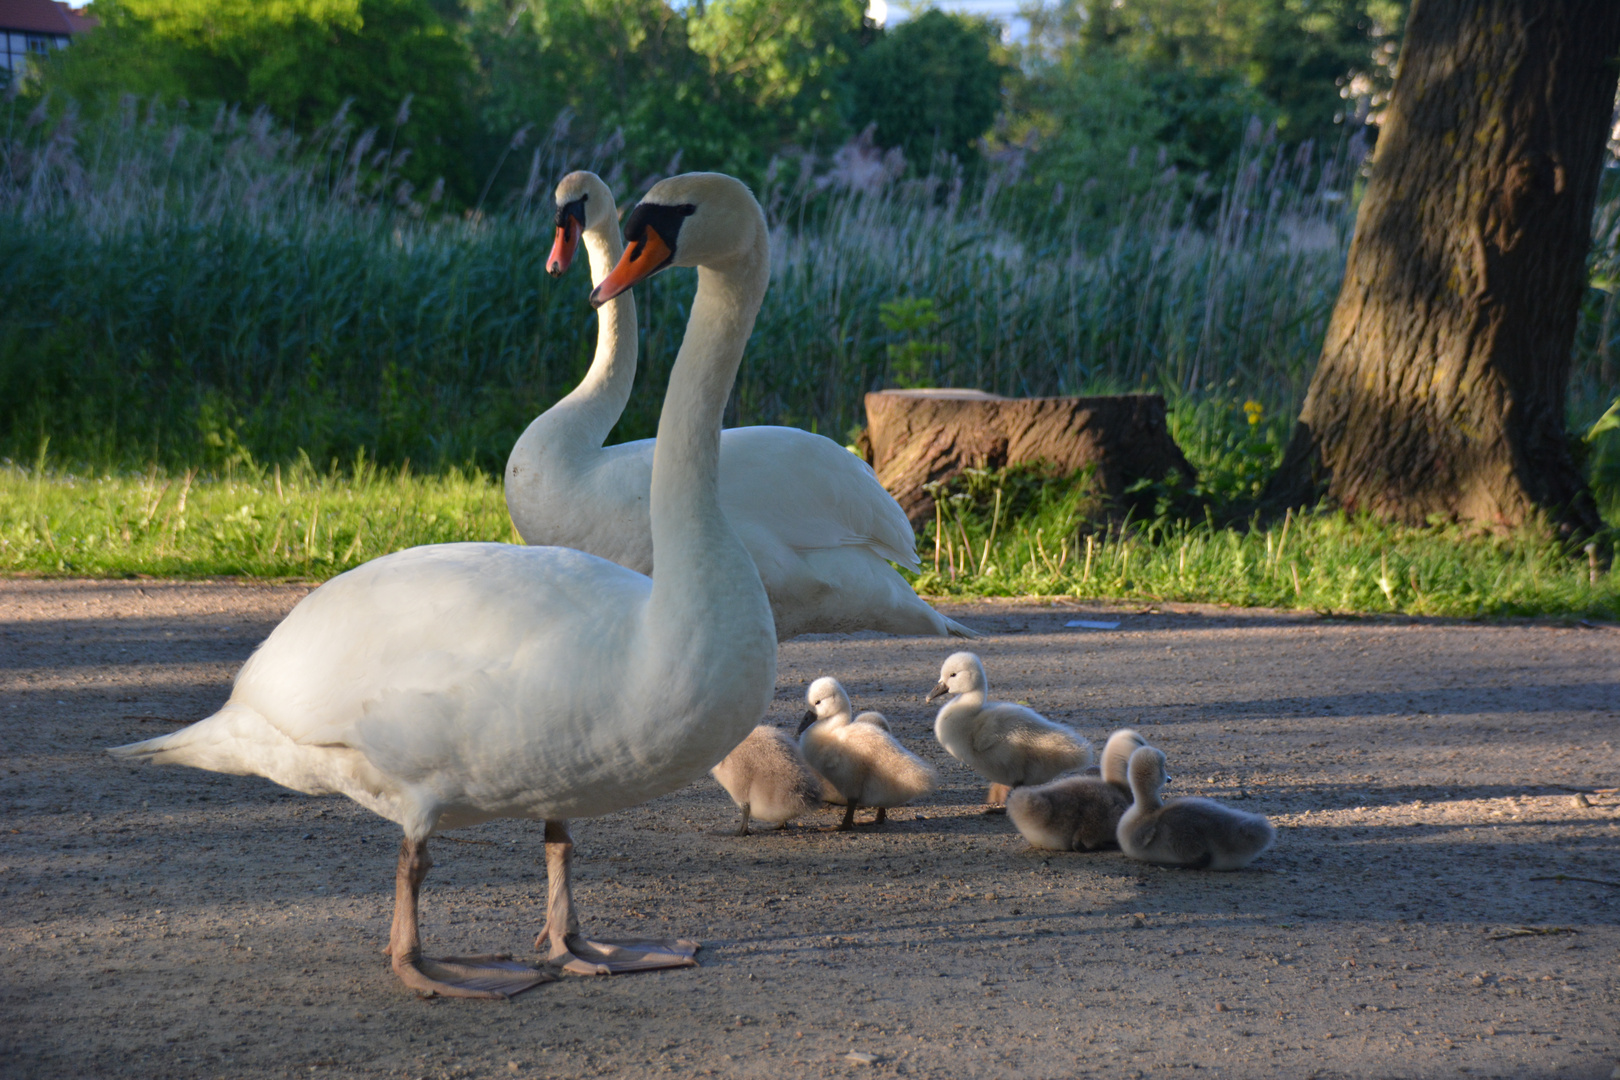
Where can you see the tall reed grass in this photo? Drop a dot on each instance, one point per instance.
(189, 293)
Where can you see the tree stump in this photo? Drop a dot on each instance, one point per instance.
(915, 438)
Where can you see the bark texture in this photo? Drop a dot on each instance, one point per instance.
(1441, 386)
(918, 437)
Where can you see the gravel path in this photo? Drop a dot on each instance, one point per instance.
(1411, 921)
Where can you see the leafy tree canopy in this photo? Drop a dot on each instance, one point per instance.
(932, 85)
(303, 59)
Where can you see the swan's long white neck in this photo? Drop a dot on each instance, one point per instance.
(581, 421)
(702, 574)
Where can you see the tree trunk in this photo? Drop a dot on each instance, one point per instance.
(915, 438)
(1441, 387)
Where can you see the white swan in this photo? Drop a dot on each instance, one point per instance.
(447, 685)
(1079, 813)
(768, 778)
(859, 758)
(817, 523)
(1200, 834)
(1006, 743)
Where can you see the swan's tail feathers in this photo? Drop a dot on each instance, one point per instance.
(225, 742)
(915, 779)
(956, 629)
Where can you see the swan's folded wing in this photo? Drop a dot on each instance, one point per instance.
(424, 633)
(811, 492)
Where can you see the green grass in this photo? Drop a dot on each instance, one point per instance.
(292, 523)
(1326, 562)
(305, 523)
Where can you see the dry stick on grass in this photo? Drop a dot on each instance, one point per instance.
(1572, 877)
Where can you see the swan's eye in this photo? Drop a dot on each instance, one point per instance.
(662, 222)
(572, 213)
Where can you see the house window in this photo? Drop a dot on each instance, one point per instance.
(15, 49)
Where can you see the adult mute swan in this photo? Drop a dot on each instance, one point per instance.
(447, 685)
(1006, 743)
(817, 523)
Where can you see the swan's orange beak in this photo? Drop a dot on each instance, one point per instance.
(640, 260)
(563, 248)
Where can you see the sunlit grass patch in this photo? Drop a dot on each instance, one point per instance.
(1328, 562)
(275, 523)
(302, 522)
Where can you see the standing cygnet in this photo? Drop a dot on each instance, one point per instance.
(1201, 834)
(766, 776)
(1079, 813)
(859, 758)
(1008, 744)
(829, 791)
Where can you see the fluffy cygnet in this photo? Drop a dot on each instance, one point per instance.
(767, 777)
(1010, 745)
(859, 758)
(829, 792)
(1079, 813)
(1197, 833)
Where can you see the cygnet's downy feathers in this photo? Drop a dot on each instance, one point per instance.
(768, 779)
(1078, 813)
(859, 757)
(1004, 742)
(1200, 834)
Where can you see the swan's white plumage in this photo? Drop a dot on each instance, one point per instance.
(814, 518)
(449, 684)
(435, 719)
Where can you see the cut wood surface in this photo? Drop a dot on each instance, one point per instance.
(920, 437)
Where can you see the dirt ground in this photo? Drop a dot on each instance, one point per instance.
(1426, 779)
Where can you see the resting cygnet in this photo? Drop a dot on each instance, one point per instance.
(859, 758)
(1079, 813)
(766, 776)
(1008, 744)
(1201, 834)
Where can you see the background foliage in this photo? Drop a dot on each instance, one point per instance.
(243, 242)
(737, 84)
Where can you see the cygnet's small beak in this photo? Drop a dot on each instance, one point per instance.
(563, 248)
(939, 690)
(809, 718)
(640, 260)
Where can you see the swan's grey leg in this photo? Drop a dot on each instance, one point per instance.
(742, 830)
(882, 815)
(849, 817)
(577, 955)
(996, 801)
(470, 976)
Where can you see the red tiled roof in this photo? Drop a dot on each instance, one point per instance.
(42, 17)
(78, 21)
